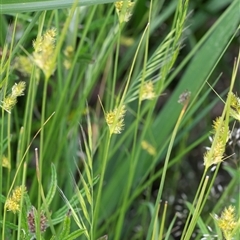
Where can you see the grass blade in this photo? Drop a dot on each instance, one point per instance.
(15, 6)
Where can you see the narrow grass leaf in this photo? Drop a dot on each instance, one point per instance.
(87, 191)
(75, 234)
(9, 225)
(59, 215)
(15, 6)
(159, 58)
(83, 204)
(66, 228)
(170, 228)
(53, 185)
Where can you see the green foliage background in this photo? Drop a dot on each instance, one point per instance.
(177, 55)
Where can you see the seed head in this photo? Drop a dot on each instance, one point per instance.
(24, 65)
(18, 89)
(148, 147)
(235, 106)
(227, 222)
(184, 97)
(9, 102)
(43, 54)
(115, 119)
(13, 202)
(31, 221)
(6, 162)
(68, 53)
(124, 12)
(214, 154)
(12, 206)
(147, 91)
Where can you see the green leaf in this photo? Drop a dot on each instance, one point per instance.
(75, 234)
(66, 227)
(53, 186)
(9, 225)
(16, 6)
(59, 215)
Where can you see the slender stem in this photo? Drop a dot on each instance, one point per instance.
(115, 65)
(197, 210)
(9, 123)
(21, 202)
(162, 181)
(39, 170)
(187, 223)
(1, 158)
(133, 160)
(99, 193)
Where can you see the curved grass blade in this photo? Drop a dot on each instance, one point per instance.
(75, 234)
(53, 186)
(17, 6)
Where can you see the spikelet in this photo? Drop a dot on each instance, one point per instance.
(227, 222)
(124, 12)
(115, 120)
(235, 106)
(148, 147)
(13, 202)
(5, 162)
(68, 53)
(214, 154)
(147, 91)
(10, 100)
(24, 65)
(43, 54)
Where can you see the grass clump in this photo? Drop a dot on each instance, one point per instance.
(105, 109)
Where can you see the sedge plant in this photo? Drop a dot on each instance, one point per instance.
(85, 150)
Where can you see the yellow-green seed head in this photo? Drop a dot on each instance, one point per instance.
(124, 11)
(115, 120)
(227, 222)
(147, 91)
(215, 153)
(235, 106)
(43, 54)
(13, 202)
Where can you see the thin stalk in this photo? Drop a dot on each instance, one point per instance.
(210, 186)
(187, 223)
(26, 138)
(45, 204)
(89, 152)
(21, 202)
(65, 91)
(99, 192)
(196, 211)
(115, 66)
(1, 158)
(9, 149)
(133, 159)
(155, 226)
(132, 168)
(42, 145)
(160, 235)
(162, 181)
(8, 127)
